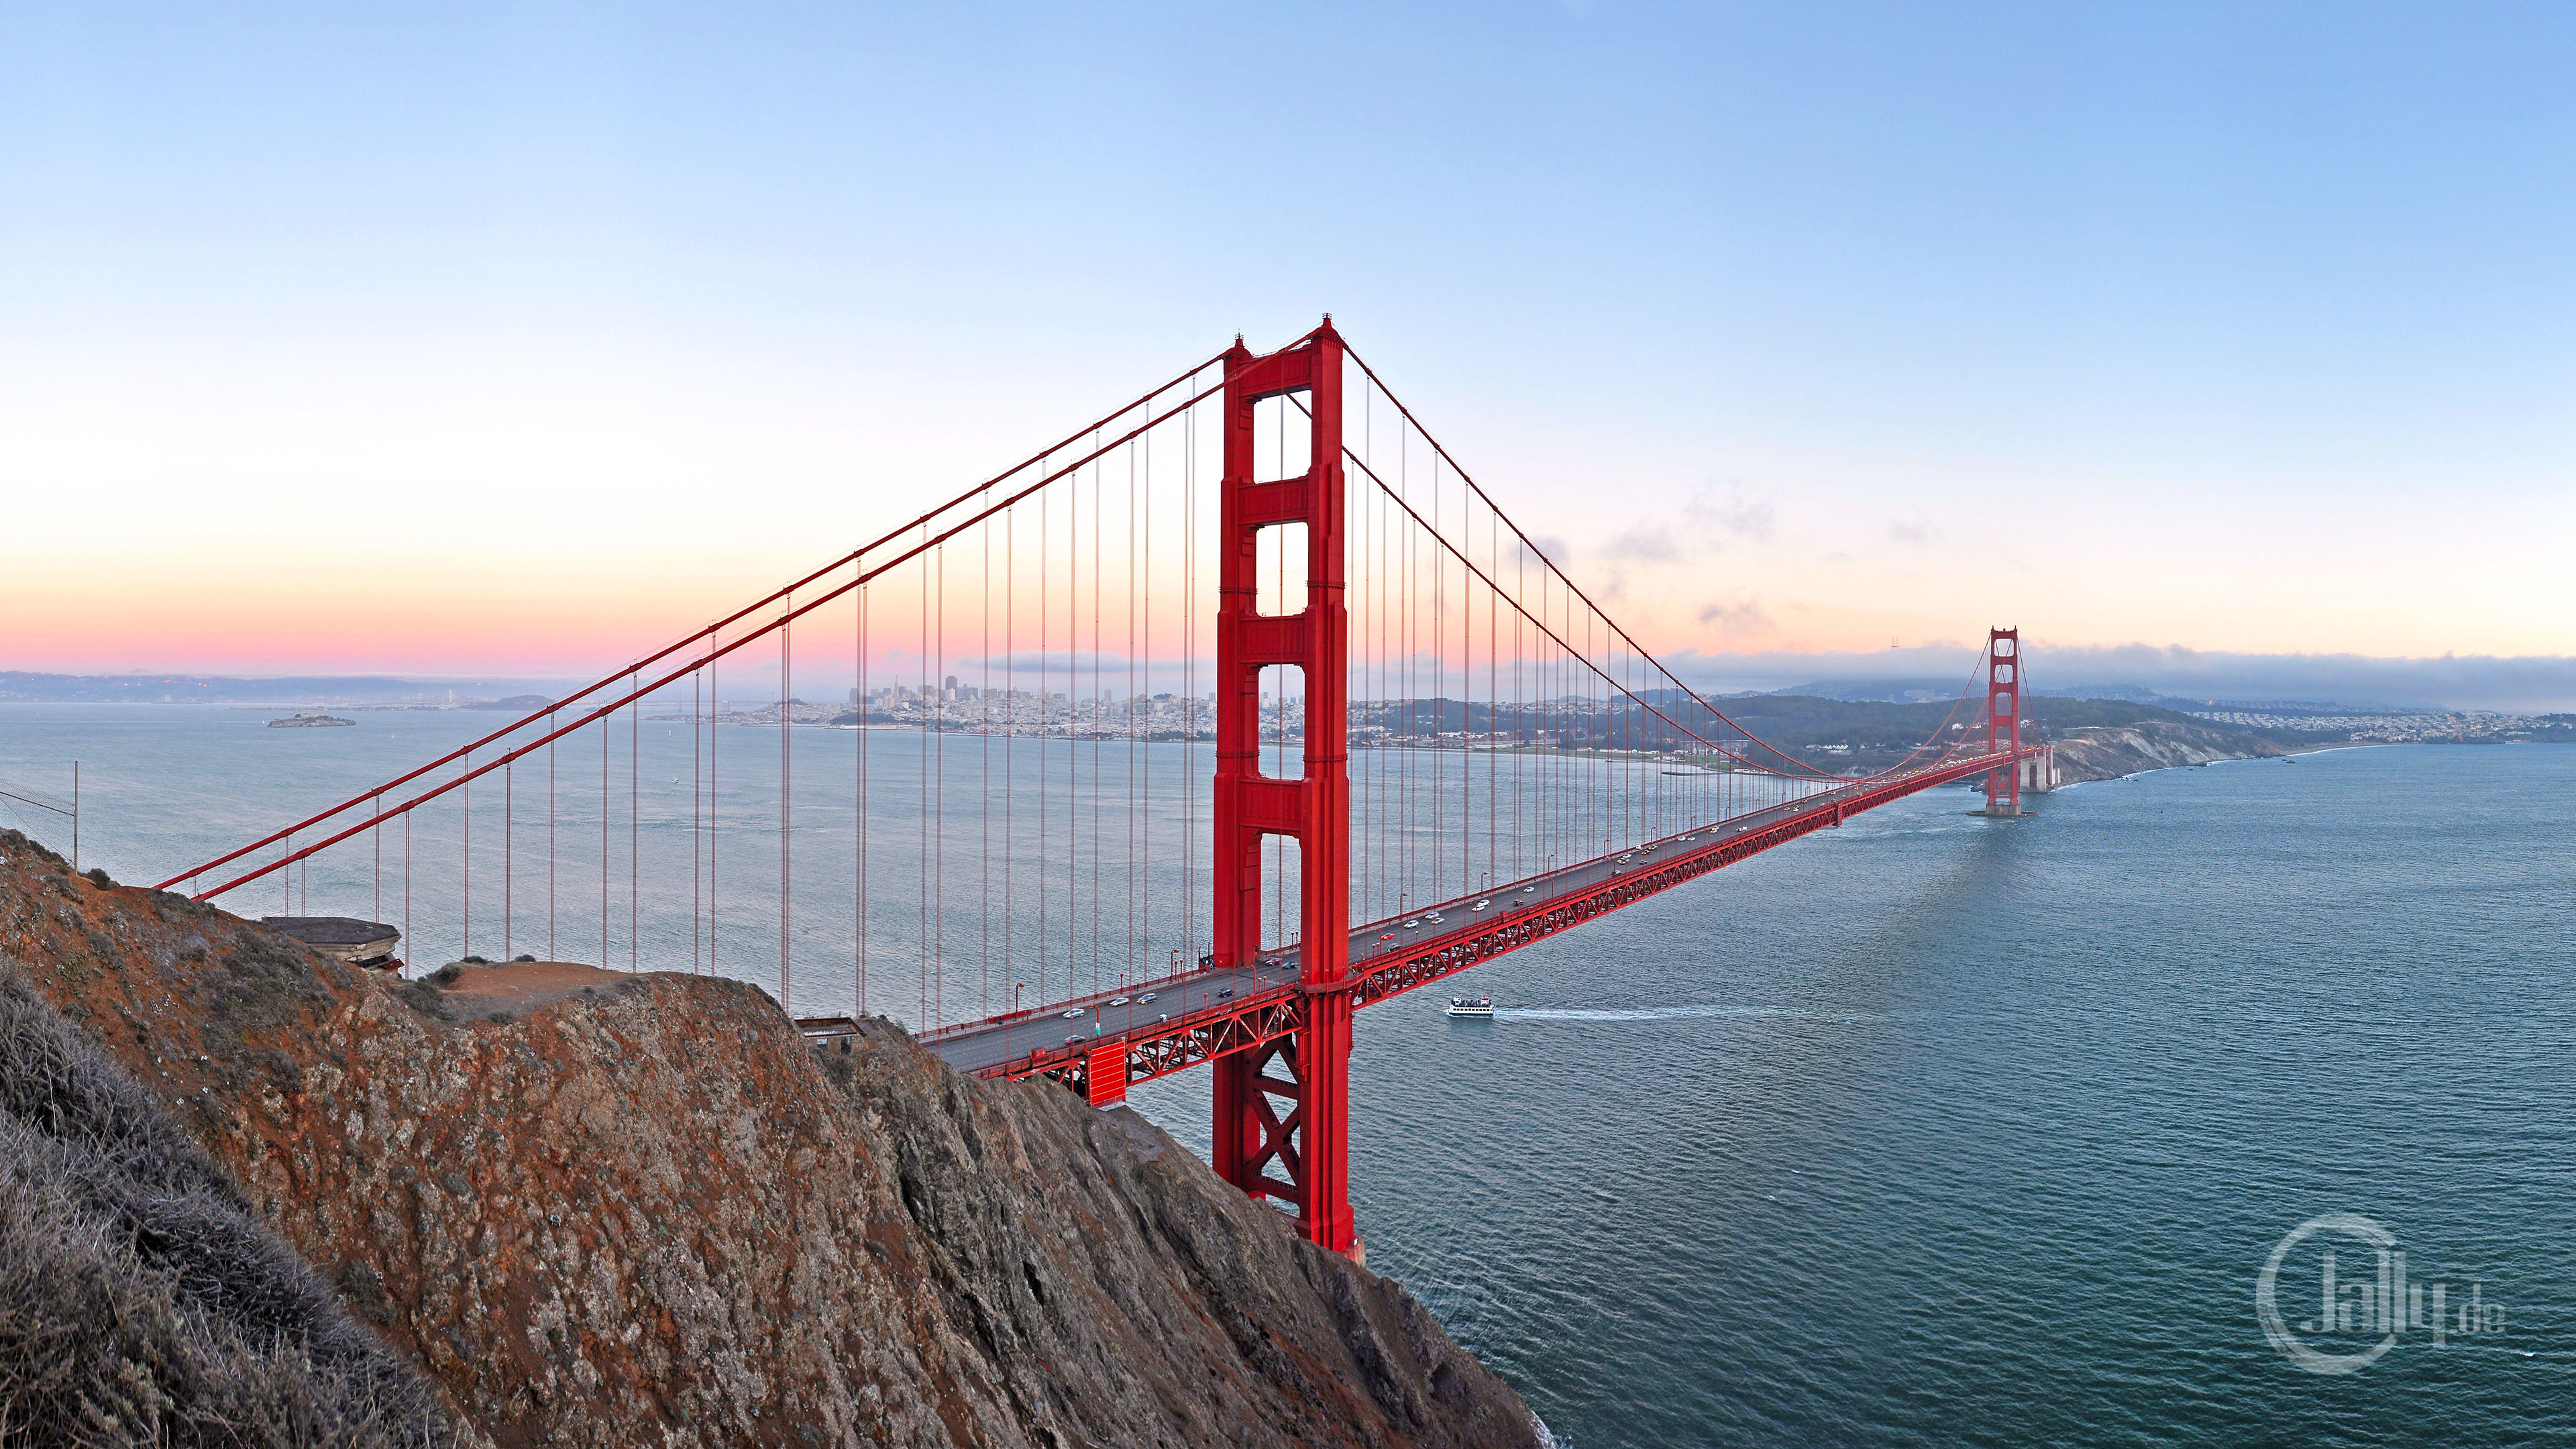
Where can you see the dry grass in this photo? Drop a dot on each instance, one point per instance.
(140, 1301)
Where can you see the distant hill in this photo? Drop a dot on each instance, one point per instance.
(1889, 691)
(1919, 691)
(2259, 706)
(1846, 736)
(23, 687)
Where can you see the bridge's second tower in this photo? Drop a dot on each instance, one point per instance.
(2003, 719)
(1298, 1120)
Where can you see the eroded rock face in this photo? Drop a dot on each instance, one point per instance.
(2106, 752)
(644, 1212)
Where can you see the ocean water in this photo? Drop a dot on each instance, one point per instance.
(1071, 868)
(1931, 1130)
(1943, 1130)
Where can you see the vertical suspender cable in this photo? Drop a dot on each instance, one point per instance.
(1072, 701)
(1099, 701)
(984, 752)
(508, 770)
(929, 821)
(1190, 680)
(859, 806)
(1145, 814)
(550, 840)
(697, 799)
(1010, 732)
(1135, 818)
(465, 926)
(939, 805)
(715, 713)
(1046, 677)
(786, 793)
(603, 842)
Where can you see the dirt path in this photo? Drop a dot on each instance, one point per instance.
(517, 986)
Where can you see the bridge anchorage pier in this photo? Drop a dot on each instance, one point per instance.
(1311, 1143)
(2003, 719)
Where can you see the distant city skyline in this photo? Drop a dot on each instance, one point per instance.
(2460, 682)
(2203, 343)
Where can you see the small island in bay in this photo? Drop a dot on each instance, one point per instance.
(305, 721)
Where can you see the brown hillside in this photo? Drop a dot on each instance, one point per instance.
(639, 1210)
(2106, 752)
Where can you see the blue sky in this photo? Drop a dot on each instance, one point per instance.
(2229, 327)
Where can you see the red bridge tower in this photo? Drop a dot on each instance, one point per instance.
(2003, 719)
(1299, 1119)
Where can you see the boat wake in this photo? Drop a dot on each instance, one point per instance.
(1639, 1013)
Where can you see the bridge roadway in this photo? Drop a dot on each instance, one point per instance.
(1167, 1024)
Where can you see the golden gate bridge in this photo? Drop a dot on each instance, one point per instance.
(1127, 783)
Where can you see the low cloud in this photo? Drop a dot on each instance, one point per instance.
(1910, 530)
(1541, 550)
(2527, 682)
(1645, 544)
(1738, 617)
(1734, 516)
(2458, 681)
(1705, 524)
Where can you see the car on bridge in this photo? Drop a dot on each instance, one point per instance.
(1074, 1015)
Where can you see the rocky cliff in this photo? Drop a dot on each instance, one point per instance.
(2106, 752)
(610, 1209)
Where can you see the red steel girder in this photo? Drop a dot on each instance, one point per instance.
(1246, 1024)
(1168, 1047)
(1395, 974)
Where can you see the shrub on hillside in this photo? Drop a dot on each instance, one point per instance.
(140, 1301)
